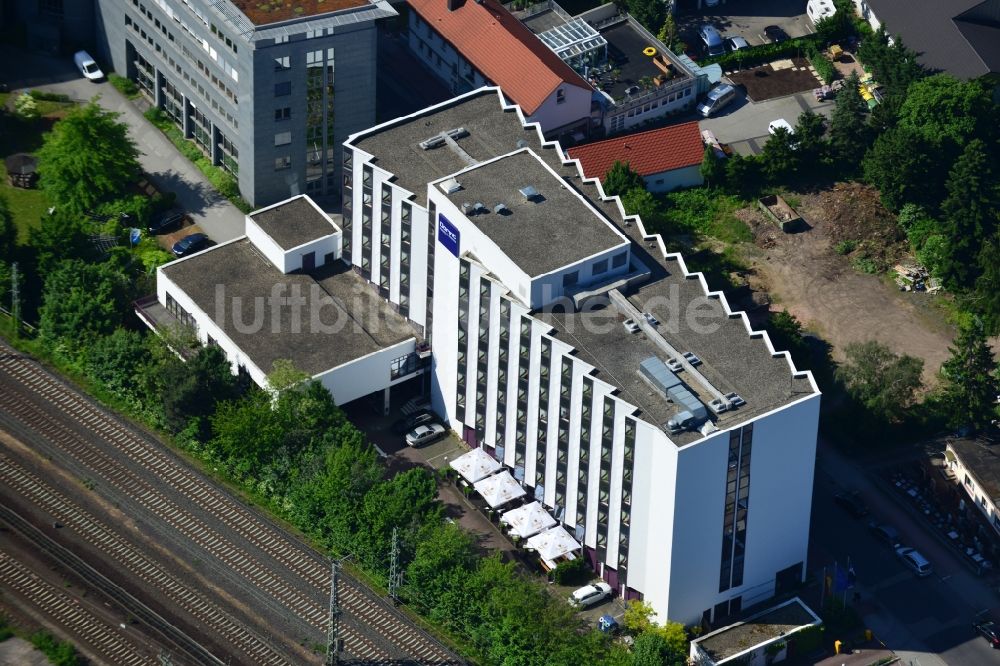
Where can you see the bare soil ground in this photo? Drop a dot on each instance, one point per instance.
(765, 82)
(804, 274)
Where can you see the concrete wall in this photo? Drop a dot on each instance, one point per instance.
(671, 180)
(364, 375)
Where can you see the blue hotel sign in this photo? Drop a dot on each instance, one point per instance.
(448, 235)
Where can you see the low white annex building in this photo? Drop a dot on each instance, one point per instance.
(664, 434)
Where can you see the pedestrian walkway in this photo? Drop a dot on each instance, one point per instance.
(167, 168)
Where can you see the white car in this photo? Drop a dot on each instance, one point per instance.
(772, 127)
(87, 66)
(913, 559)
(736, 44)
(588, 595)
(425, 434)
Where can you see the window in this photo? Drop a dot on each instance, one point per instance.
(560, 96)
(619, 260)
(283, 88)
(281, 39)
(284, 113)
(283, 162)
(571, 279)
(282, 64)
(282, 138)
(600, 267)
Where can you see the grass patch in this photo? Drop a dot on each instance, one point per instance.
(865, 264)
(706, 211)
(845, 247)
(219, 178)
(25, 136)
(123, 85)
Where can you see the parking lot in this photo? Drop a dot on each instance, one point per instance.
(744, 18)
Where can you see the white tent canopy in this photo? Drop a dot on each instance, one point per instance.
(475, 465)
(499, 489)
(528, 520)
(553, 543)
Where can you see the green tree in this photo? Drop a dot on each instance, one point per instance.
(8, 232)
(971, 379)
(620, 179)
(941, 108)
(87, 158)
(653, 648)
(779, 158)
(713, 168)
(120, 363)
(850, 135)
(197, 386)
(986, 298)
(744, 175)
(969, 213)
(904, 170)
(60, 237)
(883, 382)
(81, 301)
(811, 147)
(640, 202)
(894, 66)
(284, 375)
(406, 501)
(668, 31)
(650, 13)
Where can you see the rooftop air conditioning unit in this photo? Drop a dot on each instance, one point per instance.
(501, 209)
(692, 359)
(718, 406)
(478, 208)
(674, 365)
(631, 326)
(735, 400)
(528, 192)
(451, 186)
(653, 321)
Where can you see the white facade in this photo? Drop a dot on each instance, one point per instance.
(666, 181)
(649, 511)
(867, 13)
(818, 10)
(966, 477)
(288, 260)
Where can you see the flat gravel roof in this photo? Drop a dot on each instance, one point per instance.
(294, 222)
(554, 229)
(350, 320)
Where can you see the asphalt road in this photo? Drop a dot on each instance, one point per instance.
(926, 621)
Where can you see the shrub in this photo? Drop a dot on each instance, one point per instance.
(42, 95)
(25, 107)
(845, 246)
(123, 85)
(824, 68)
(572, 572)
(756, 55)
(866, 264)
(59, 653)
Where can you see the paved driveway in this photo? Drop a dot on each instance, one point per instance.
(745, 18)
(168, 169)
(743, 124)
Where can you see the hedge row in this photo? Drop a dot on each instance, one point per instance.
(758, 55)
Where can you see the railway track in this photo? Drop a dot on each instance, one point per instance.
(99, 535)
(139, 467)
(66, 612)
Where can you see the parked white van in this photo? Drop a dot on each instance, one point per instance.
(87, 66)
(717, 97)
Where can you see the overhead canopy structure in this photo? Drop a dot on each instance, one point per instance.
(475, 465)
(528, 520)
(553, 544)
(499, 489)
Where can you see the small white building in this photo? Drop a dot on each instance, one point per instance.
(767, 637)
(976, 465)
(817, 10)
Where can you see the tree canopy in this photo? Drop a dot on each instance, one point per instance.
(883, 382)
(971, 379)
(620, 179)
(88, 157)
(81, 301)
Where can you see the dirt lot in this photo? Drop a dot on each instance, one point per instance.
(804, 274)
(776, 79)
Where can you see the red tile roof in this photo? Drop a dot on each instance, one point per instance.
(501, 48)
(648, 153)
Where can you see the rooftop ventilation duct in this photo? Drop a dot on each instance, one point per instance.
(693, 411)
(521, 143)
(528, 192)
(501, 209)
(466, 208)
(478, 208)
(451, 186)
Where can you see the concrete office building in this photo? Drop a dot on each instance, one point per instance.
(674, 442)
(268, 91)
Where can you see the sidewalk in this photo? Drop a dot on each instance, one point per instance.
(167, 168)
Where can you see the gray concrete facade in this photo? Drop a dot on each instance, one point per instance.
(270, 103)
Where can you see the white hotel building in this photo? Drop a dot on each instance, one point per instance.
(675, 442)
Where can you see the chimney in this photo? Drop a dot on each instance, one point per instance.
(454, 4)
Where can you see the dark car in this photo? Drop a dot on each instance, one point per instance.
(885, 533)
(989, 631)
(166, 222)
(774, 34)
(419, 417)
(190, 245)
(852, 503)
